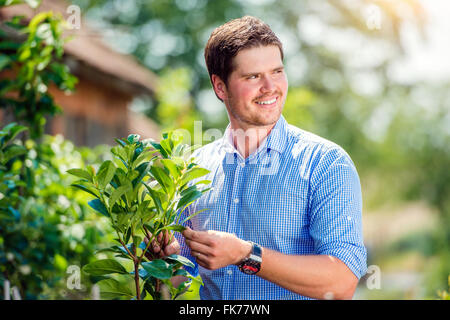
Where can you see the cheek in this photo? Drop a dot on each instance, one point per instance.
(284, 85)
(243, 93)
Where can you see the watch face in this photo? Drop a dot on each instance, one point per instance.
(252, 264)
(249, 269)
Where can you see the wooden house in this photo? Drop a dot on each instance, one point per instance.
(98, 111)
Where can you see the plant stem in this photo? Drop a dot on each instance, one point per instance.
(136, 280)
(131, 255)
(150, 239)
(136, 262)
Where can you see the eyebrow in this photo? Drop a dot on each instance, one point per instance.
(256, 73)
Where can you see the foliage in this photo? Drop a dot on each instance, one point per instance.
(43, 222)
(138, 208)
(444, 295)
(44, 225)
(32, 55)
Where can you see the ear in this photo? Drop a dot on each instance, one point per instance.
(219, 87)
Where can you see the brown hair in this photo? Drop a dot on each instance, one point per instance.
(227, 40)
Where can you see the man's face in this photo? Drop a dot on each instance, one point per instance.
(256, 89)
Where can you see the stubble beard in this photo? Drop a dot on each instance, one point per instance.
(255, 118)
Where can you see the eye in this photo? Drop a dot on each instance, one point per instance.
(253, 76)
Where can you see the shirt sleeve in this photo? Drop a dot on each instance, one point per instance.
(184, 249)
(336, 211)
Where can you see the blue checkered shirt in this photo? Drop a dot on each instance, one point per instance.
(298, 194)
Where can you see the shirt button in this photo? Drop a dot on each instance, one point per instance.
(242, 164)
(230, 272)
(236, 200)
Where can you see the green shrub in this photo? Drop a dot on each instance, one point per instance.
(45, 226)
(142, 192)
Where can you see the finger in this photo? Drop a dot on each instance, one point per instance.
(187, 232)
(173, 248)
(200, 257)
(197, 236)
(155, 247)
(199, 247)
(168, 237)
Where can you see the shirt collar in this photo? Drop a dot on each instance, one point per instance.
(276, 140)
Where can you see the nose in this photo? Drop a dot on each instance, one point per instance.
(267, 84)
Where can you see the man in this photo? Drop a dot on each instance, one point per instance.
(284, 217)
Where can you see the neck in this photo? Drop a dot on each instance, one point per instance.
(247, 139)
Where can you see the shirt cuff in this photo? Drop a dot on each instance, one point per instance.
(354, 257)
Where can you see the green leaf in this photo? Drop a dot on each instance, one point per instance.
(143, 170)
(81, 174)
(98, 206)
(161, 150)
(4, 61)
(106, 173)
(120, 179)
(117, 193)
(137, 241)
(179, 150)
(159, 269)
(181, 272)
(165, 144)
(127, 235)
(115, 249)
(193, 173)
(104, 266)
(155, 197)
(171, 167)
(163, 179)
(203, 182)
(174, 227)
(120, 152)
(188, 198)
(85, 189)
(13, 151)
(112, 289)
(193, 215)
(180, 259)
(197, 279)
(133, 138)
(121, 142)
(147, 154)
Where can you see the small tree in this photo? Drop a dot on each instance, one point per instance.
(142, 192)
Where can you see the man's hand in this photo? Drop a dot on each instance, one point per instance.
(215, 249)
(160, 247)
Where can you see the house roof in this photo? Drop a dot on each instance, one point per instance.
(88, 51)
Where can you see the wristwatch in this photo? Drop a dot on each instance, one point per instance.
(252, 263)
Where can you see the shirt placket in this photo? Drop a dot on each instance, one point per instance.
(232, 227)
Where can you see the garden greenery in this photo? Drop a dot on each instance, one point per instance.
(143, 192)
(45, 226)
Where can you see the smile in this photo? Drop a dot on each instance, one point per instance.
(267, 102)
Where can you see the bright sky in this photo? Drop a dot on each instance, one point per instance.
(429, 60)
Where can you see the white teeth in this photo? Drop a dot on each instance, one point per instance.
(267, 102)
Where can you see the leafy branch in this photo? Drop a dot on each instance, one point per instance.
(143, 192)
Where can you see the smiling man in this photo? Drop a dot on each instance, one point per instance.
(284, 218)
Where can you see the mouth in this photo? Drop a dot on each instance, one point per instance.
(267, 103)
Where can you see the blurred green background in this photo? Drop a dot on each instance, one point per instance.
(372, 76)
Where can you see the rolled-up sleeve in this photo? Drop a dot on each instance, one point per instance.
(336, 211)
